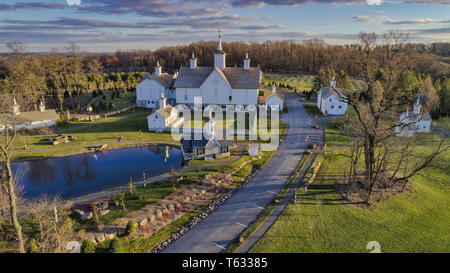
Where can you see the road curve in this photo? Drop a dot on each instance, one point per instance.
(219, 229)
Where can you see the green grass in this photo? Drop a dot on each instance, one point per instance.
(335, 138)
(141, 244)
(268, 210)
(321, 221)
(101, 131)
(123, 101)
(312, 110)
(303, 82)
(442, 123)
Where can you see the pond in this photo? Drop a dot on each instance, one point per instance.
(78, 175)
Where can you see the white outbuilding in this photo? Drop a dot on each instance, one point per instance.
(271, 100)
(413, 122)
(150, 88)
(31, 119)
(165, 118)
(331, 100)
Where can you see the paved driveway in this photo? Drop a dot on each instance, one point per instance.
(219, 229)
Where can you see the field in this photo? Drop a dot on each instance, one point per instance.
(302, 82)
(416, 221)
(312, 110)
(442, 123)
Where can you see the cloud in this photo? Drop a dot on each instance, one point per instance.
(436, 2)
(362, 18)
(30, 5)
(156, 8)
(419, 21)
(229, 22)
(262, 3)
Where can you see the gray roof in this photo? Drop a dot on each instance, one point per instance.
(165, 79)
(202, 143)
(32, 116)
(238, 77)
(328, 91)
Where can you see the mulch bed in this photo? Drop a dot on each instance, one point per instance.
(358, 195)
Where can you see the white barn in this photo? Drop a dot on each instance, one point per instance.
(218, 85)
(165, 118)
(30, 120)
(331, 100)
(149, 90)
(413, 122)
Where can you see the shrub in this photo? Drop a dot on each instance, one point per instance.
(131, 228)
(33, 248)
(88, 246)
(117, 245)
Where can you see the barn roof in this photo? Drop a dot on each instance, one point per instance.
(268, 94)
(203, 142)
(166, 112)
(238, 77)
(165, 79)
(32, 116)
(329, 91)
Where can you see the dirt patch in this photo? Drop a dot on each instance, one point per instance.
(357, 194)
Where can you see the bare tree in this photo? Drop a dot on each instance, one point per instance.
(387, 158)
(53, 224)
(7, 136)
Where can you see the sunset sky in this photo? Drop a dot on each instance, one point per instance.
(108, 25)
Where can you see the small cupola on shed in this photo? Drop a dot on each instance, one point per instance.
(246, 62)
(193, 62)
(158, 69)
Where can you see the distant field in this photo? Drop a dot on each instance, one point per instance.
(303, 82)
(443, 123)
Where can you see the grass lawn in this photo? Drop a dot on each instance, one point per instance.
(123, 101)
(104, 130)
(442, 123)
(141, 244)
(312, 110)
(321, 221)
(302, 82)
(334, 137)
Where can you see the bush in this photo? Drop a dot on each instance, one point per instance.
(131, 228)
(33, 248)
(88, 246)
(117, 245)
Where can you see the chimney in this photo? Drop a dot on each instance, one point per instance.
(157, 69)
(333, 83)
(16, 110)
(162, 101)
(246, 62)
(274, 89)
(42, 106)
(193, 62)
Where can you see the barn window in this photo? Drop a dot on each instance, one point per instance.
(185, 97)
(332, 106)
(330, 100)
(340, 106)
(230, 98)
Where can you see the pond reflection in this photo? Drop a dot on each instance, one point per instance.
(77, 175)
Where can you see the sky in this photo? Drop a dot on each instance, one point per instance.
(110, 25)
